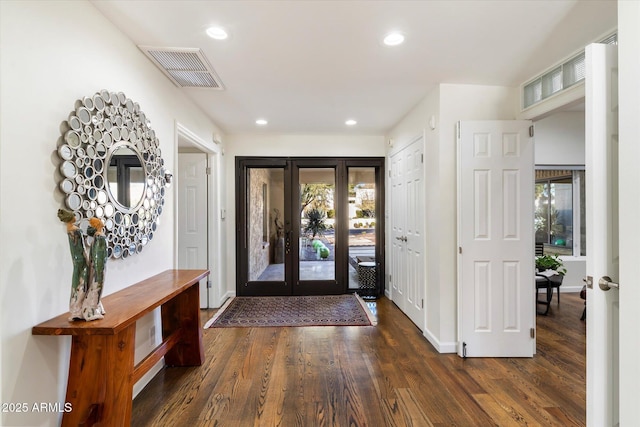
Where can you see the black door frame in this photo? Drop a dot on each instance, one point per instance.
(292, 285)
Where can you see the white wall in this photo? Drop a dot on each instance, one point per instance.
(559, 139)
(285, 146)
(54, 53)
(449, 103)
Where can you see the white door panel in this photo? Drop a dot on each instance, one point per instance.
(414, 233)
(602, 236)
(398, 202)
(192, 216)
(407, 231)
(495, 234)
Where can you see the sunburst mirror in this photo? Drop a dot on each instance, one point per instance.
(111, 168)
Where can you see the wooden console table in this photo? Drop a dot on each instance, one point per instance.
(101, 369)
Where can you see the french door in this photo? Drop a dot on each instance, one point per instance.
(309, 226)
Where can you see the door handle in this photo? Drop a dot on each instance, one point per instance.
(287, 242)
(606, 283)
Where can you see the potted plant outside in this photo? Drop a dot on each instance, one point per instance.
(315, 224)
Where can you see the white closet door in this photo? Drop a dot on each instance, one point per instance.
(407, 231)
(398, 219)
(414, 233)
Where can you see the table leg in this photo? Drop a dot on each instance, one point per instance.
(183, 312)
(99, 387)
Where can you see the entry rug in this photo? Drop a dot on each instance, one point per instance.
(325, 310)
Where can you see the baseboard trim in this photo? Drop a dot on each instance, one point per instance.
(441, 347)
(224, 298)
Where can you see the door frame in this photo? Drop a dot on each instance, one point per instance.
(183, 136)
(291, 192)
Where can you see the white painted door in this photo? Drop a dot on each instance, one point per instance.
(602, 233)
(414, 233)
(398, 218)
(192, 216)
(407, 231)
(496, 306)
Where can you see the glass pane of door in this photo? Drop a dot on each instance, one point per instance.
(362, 227)
(265, 223)
(317, 224)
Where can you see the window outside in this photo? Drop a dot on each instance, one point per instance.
(559, 211)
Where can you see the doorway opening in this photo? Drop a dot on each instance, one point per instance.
(309, 226)
(197, 229)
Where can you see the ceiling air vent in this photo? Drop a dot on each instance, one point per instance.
(186, 67)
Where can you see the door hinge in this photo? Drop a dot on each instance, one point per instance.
(422, 158)
(533, 332)
(389, 173)
(209, 285)
(422, 303)
(208, 170)
(531, 131)
(458, 130)
(459, 249)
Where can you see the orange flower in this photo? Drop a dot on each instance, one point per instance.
(96, 223)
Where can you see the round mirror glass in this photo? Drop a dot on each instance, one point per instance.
(126, 176)
(65, 152)
(68, 169)
(74, 201)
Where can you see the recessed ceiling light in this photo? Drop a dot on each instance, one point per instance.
(393, 39)
(217, 33)
(261, 122)
(350, 122)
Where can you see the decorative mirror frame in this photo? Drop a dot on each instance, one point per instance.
(99, 125)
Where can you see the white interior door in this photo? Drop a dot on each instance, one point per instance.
(496, 304)
(602, 236)
(407, 231)
(398, 218)
(414, 233)
(192, 216)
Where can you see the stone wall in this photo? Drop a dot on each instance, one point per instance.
(258, 245)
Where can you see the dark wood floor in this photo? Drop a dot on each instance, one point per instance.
(384, 375)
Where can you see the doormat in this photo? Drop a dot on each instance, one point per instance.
(324, 310)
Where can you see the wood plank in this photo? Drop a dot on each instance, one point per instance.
(125, 306)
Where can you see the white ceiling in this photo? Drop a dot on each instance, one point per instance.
(307, 66)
